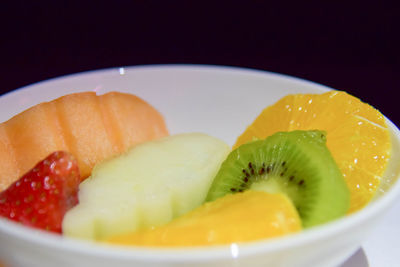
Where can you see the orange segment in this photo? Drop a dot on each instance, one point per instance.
(357, 135)
(240, 217)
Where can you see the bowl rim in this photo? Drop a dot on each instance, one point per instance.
(199, 254)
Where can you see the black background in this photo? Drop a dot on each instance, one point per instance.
(350, 45)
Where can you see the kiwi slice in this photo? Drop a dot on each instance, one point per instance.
(296, 163)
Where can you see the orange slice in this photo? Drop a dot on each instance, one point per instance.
(240, 217)
(357, 135)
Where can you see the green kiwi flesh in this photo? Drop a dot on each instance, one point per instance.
(296, 163)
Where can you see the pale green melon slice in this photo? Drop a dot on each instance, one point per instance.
(148, 186)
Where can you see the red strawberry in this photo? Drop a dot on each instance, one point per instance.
(42, 196)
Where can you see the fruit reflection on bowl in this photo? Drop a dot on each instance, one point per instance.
(195, 99)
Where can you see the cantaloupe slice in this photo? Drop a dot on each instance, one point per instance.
(89, 126)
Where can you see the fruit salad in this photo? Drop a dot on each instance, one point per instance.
(110, 173)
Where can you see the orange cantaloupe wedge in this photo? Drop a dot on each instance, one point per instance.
(91, 127)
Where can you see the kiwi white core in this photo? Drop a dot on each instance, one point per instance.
(274, 185)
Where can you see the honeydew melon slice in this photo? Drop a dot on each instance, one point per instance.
(148, 186)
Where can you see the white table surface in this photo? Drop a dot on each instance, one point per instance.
(382, 248)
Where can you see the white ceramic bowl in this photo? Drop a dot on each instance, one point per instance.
(220, 101)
